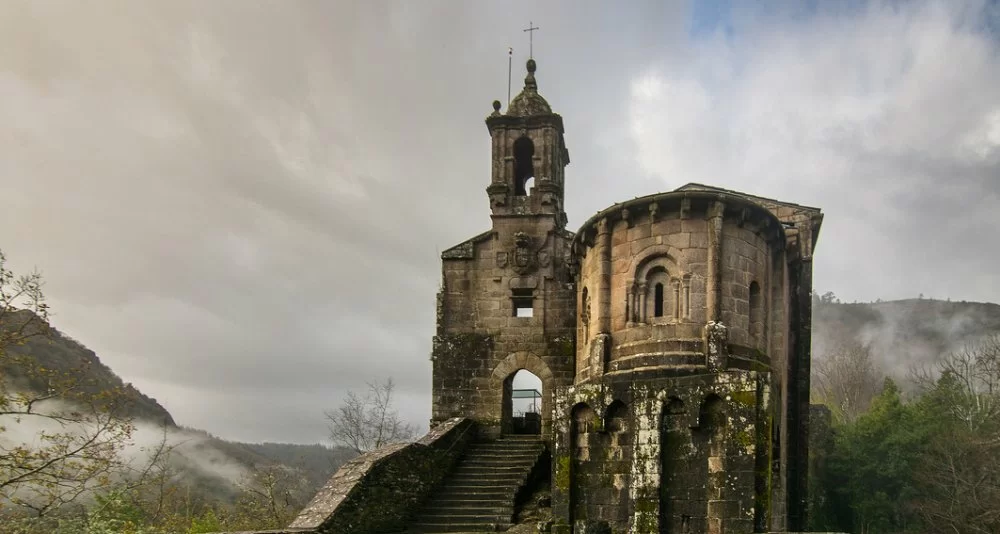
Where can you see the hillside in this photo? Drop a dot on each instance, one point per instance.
(56, 350)
(902, 333)
(209, 465)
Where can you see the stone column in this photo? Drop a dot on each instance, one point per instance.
(629, 303)
(642, 302)
(604, 279)
(636, 310)
(676, 308)
(713, 297)
(686, 306)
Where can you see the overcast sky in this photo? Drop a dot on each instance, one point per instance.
(240, 205)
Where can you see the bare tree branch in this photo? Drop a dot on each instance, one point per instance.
(367, 423)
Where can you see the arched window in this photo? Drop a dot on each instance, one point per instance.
(658, 300)
(654, 295)
(524, 151)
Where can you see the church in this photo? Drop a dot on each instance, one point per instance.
(670, 333)
(670, 336)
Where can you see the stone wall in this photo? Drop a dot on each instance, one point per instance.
(380, 490)
(481, 343)
(682, 454)
(656, 269)
(746, 258)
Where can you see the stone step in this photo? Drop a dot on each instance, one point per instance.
(471, 504)
(478, 495)
(503, 454)
(492, 506)
(495, 461)
(477, 479)
(491, 482)
(506, 446)
(519, 455)
(487, 469)
(487, 515)
(505, 443)
(478, 492)
(467, 523)
(503, 450)
(487, 473)
(435, 528)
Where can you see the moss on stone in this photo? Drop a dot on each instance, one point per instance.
(463, 345)
(562, 346)
(562, 472)
(744, 437)
(746, 398)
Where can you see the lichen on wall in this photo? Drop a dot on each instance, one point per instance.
(586, 477)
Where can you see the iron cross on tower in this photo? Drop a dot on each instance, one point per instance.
(531, 38)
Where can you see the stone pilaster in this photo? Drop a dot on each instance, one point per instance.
(713, 297)
(604, 281)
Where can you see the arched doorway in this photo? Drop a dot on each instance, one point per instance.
(503, 377)
(522, 400)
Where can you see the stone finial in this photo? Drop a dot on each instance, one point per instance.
(529, 102)
(496, 107)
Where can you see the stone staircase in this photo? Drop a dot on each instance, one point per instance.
(478, 495)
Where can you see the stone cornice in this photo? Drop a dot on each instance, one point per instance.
(656, 205)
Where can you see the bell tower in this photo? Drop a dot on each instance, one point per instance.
(529, 157)
(508, 302)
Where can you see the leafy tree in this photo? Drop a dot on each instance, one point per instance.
(959, 474)
(367, 423)
(60, 437)
(873, 464)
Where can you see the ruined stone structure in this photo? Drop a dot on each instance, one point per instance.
(671, 335)
(671, 338)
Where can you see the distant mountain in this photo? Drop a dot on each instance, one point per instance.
(211, 465)
(57, 351)
(902, 333)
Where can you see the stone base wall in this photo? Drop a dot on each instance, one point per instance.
(668, 454)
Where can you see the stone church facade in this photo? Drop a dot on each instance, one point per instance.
(671, 335)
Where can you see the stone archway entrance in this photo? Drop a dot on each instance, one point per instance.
(522, 403)
(519, 390)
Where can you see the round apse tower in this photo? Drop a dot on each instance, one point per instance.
(679, 283)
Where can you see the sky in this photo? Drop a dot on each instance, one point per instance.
(240, 205)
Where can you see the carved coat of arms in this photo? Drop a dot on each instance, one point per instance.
(524, 257)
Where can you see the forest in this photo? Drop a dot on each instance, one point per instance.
(911, 431)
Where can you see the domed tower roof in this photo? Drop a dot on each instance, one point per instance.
(528, 102)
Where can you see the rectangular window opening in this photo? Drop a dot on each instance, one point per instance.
(523, 300)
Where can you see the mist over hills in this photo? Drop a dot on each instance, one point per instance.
(208, 464)
(902, 334)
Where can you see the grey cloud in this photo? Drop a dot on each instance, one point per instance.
(239, 206)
